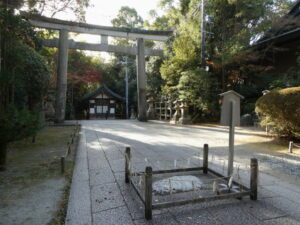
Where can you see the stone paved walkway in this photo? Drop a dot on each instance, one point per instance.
(99, 194)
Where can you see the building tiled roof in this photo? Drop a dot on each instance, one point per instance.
(105, 89)
(287, 28)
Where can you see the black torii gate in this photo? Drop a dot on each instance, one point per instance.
(63, 44)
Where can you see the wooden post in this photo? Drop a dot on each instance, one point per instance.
(205, 158)
(291, 147)
(62, 164)
(148, 193)
(127, 163)
(253, 178)
(69, 150)
(231, 141)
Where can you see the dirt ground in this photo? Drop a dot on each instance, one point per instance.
(32, 187)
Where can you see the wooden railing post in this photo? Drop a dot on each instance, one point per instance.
(291, 147)
(148, 193)
(62, 164)
(205, 158)
(127, 164)
(253, 178)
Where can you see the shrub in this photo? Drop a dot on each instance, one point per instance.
(281, 110)
(15, 124)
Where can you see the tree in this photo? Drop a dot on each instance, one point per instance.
(50, 7)
(84, 75)
(128, 18)
(24, 78)
(231, 26)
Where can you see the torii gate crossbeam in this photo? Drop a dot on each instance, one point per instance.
(64, 44)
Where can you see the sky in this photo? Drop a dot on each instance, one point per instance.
(102, 12)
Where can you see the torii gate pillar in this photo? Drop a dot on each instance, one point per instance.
(61, 84)
(141, 80)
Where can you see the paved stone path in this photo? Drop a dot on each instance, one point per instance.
(99, 194)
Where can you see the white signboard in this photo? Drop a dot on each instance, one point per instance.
(112, 110)
(92, 111)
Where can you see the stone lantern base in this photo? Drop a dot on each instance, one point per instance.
(185, 120)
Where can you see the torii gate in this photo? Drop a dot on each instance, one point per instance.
(63, 44)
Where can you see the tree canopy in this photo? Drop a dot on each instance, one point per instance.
(231, 26)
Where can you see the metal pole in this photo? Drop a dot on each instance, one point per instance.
(126, 87)
(231, 141)
(202, 34)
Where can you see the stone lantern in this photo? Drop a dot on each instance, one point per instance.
(170, 108)
(132, 114)
(151, 109)
(184, 119)
(176, 115)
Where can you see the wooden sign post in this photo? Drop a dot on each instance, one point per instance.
(231, 141)
(230, 116)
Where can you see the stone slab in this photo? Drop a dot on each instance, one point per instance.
(106, 197)
(282, 221)
(161, 219)
(262, 210)
(101, 176)
(114, 216)
(79, 206)
(233, 214)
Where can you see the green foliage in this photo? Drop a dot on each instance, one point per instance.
(154, 79)
(194, 87)
(24, 78)
(28, 73)
(49, 7)
(128, 17)
(16, 124)
(281, 110)
(231, 26)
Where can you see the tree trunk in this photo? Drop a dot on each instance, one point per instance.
(3, 147)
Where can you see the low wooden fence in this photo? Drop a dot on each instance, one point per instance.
(69, 147)
(293, 145)
(148, 175)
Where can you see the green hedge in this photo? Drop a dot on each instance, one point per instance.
(281, 110)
